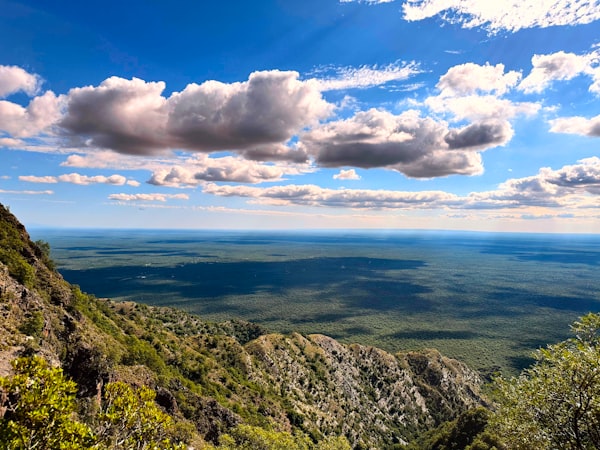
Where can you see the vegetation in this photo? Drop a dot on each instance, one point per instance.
(469, 432)
(130, 419)
(39, 412)
(487, 300)
(12, 255)
(556, 402)
(245, 437)
(39, 409)
(177, 379)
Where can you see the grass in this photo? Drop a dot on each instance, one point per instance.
(489, 300)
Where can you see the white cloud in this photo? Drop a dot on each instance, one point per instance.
(415, 146)
(269, 108)
(365, 76)
(2, 191)
(572, 186)
(75, 178)
(35, 179)
(203, 168)
(20, 122)
(11, 142)
(131, 116)
(576, 125)
(147, 197)
(472, 92)
(123, 115)
(576, 186)
(311, 195)
(509, 15)
(470, 78)
(349, 174)
(559, 66)
(584, 175)
(481, 107)
(107, 159)
(276, 152)
(14, 79)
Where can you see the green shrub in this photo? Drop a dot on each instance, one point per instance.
(33, 325)
(556, 402)
(40, 405)
(18, 268)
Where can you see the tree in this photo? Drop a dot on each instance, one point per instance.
(556, 402)
(37, 411)
(37, 407)
(131, 420)
(247, 437)
(467, 432)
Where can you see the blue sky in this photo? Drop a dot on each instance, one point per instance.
(432, 114)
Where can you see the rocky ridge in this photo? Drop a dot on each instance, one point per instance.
(214, 376)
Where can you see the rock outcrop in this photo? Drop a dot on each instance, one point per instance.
(215, 376)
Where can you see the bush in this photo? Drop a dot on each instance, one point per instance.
(555, 403)
(130, 419)
(39, 408)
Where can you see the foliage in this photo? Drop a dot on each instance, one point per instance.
(467, 432)
(39, 405)
(18, 267)
(130, 419)
(45, 250)
(246, 437)
(556, 402)
(11, 248)
(33, 325)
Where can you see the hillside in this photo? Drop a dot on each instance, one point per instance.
(212, 377)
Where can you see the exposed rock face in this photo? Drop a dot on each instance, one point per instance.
(365, 393)
(216, 376)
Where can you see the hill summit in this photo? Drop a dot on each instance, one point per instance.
(213, 377)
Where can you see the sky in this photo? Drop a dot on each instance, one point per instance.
(313, 114)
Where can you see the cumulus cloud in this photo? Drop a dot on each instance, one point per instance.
(481, 107)
(15, 79)
(584, 175)
(203, 168)
(276, 152)
(576, 125)
(559, 66)
(132, 116)
(107, 159)
(413, 145)
(574, 186)
(472, 92)
(365, 76)
(349, 174)
(479, 136)
(21, 122)
(11, 142)
(75, 178)
(469, 78)
(35, 179)
(123, 115)
(269, 108)
(508, 15)
(147, 197)
(515, 193)
(311, 195)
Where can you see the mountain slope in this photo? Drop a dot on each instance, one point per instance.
(212, 377)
